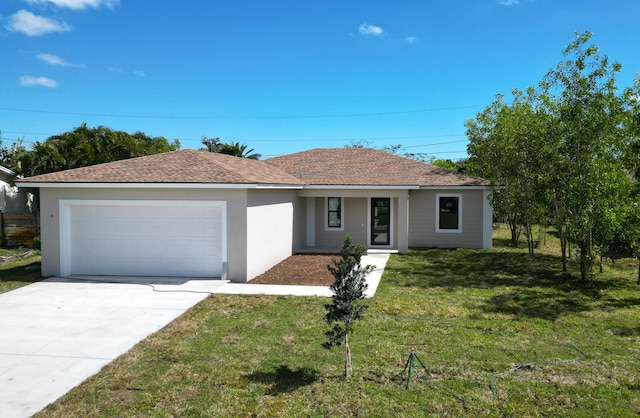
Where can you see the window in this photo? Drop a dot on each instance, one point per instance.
(334, 213)
(449, 213)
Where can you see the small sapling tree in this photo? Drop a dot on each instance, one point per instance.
(348, 292)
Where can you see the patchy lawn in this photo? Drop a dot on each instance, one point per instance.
(499, 334)
(18, 267)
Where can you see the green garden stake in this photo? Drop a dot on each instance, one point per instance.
(411, 366)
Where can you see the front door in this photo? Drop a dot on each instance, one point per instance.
(380, 220)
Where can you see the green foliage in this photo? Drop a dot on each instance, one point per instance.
(232, 148)
(588, 175)
(508, 144)
(348, 291)
(80, 148)
(446, 164)
(563, 153)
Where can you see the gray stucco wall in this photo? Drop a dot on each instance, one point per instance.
(422, 220)
(236, 219)
(270, 231)
(355, 223)
(299, 224)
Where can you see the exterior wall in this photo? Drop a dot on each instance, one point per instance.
(422, 220)
(236, 219)
(270, 225)
(355, 223)
(300, 231)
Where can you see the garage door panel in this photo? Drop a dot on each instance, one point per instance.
(158, 240)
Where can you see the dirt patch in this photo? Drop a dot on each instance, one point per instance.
(301, 270)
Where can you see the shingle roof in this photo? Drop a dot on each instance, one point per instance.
(184, 166)
(321, 166)
(367, 167)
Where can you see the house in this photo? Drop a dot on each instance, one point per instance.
(200, 214)
(11, 199)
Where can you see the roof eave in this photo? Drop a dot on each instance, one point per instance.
(167, 185)
(461, 187)
(363, 186)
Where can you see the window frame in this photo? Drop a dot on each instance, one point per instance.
(327, 212)
(449, 230)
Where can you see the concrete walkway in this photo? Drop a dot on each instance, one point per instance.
(56, 333)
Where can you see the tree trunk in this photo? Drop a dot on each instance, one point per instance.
(347, 357)
(515, 232)
(562, 233)
(530, 239)
(601, 267)
(586, 261)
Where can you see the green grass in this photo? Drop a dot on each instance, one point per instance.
(471, 316)
(19, 271)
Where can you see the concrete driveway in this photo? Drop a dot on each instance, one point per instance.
(56, 333)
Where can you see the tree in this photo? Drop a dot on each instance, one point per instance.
(210, 144)
(359, 143)
(630, 230)
(588, 122)
(238, 150)
(232, 148)
(446, 164)
(562, 152)
(507, 144)
(348, 291)
(80, 148)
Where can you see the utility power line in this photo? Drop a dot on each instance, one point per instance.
(248, 117)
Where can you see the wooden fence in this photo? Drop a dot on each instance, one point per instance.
(20, 229)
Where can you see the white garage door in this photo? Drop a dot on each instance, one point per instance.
(143, 238)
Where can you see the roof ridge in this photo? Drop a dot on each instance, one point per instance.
(225, 161)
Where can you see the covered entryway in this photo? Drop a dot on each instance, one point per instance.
(143, 238)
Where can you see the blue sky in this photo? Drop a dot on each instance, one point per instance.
(285, 76)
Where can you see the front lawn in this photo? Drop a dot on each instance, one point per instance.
(500, 334)
(18, 267)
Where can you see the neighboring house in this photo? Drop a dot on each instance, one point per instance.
(13, 200)
(200, 214)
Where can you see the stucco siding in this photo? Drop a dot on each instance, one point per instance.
(270, 219)
(422, 220)
(299, 224)
(355, 223)
(236, 219)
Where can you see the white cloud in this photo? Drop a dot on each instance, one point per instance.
(509, 2)
(55, 60)
(78, 4)
(410, 39)
(372, 30)
(30, 81)
(140, 73)
(34, 25)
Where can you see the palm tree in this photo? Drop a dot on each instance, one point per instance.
(232, 148)
(211, 144)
